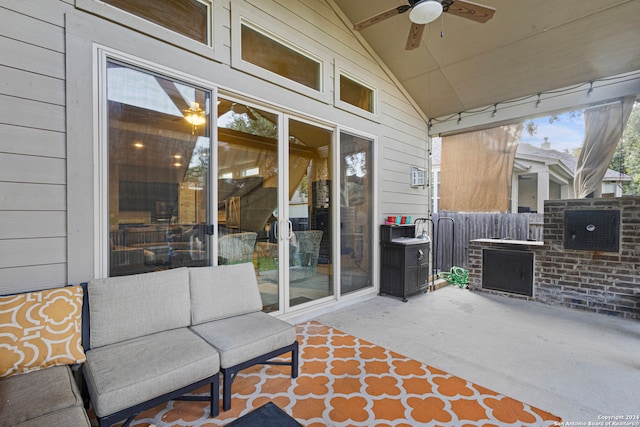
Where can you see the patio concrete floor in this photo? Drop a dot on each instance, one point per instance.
(577, 365)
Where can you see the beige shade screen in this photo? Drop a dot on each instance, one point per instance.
(604, 126)
(476, 170)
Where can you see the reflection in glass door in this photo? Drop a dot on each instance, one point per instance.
(356, 213)
(310, 255)
(158, 171)
(248, 193)
(253, 224)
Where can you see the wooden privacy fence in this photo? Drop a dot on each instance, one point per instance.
(453, 231)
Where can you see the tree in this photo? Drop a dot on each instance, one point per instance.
(626, 159)
(253, 124)
(532, 127)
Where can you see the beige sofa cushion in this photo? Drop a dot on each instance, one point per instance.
(127, 307)
(48, 397)
(243, 338)
(223, 291)
(128, 373)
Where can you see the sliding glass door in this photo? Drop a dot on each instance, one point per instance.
(248, 181)
(271, 198)
(158, 147)
(356, 213)
(274, 204)
(309, 212)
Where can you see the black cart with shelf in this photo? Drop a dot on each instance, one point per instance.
(404, 269)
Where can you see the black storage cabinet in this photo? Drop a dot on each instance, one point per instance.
(508, 271)
(404, 269)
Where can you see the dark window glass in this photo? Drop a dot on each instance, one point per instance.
(186, 17)
(356, 94)
(267, 53)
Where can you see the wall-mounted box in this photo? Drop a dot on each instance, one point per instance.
(592, 230)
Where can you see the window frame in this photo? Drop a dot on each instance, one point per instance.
(210, 50)
(351, 73)
(274, 30)
(104, 55)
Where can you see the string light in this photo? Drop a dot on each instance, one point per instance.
(573, 89)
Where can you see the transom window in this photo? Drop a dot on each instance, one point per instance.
(357, 94)
(284, 60)
(187, 17)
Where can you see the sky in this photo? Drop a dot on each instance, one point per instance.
(564, 134)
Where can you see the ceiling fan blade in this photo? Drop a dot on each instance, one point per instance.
(381, 17)
(415, 36)
(470, 10)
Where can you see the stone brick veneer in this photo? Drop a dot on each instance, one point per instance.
(601, 282)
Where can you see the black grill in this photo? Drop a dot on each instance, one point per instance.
(592, 230)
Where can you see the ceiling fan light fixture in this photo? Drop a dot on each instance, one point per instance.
(425, 11)
(195, 115)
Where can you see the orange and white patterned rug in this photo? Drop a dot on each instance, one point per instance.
(346, 381)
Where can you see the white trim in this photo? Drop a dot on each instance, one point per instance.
(121, 17)
(435, 183)
(102, 55)
(99, 227)
(101, 170)
(284, 286)
(155, 68)
(342, 69)
(335, 218)
(334, 202)
(375, 261)
(273, 29)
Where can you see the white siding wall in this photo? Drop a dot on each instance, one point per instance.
(32, 145)
(38, 158)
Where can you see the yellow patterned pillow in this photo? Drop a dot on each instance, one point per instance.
(40, 329)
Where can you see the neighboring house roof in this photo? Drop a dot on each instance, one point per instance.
(527, 152)
(567, 159)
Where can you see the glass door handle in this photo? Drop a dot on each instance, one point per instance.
(290, 233)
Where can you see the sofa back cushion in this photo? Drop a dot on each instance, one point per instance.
(40, 329)
(127, 307)
(223, 291)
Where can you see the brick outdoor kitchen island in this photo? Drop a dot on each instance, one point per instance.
(555, 272)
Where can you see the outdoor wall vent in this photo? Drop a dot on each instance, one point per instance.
(592, 230)
(417, 177)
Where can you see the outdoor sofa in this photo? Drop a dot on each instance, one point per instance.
(40, 343)
(156, 336)
(141, 340)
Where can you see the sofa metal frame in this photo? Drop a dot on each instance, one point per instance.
(229, 374)
(130, 413)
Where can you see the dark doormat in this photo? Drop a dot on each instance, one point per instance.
(268, 415)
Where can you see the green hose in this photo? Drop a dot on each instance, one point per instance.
(457, 276)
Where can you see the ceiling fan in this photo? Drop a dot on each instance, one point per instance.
(426, 11)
